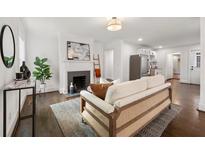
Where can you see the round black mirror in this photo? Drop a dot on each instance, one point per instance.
(7, 46)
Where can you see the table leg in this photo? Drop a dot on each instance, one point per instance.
(19, 106)
(34, 111)
(4, 111)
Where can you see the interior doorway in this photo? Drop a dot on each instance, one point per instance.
(176, 65)
(108, 64)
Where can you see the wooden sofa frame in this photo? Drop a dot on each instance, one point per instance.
(114, 115)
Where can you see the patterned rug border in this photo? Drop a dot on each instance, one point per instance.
(153, 126)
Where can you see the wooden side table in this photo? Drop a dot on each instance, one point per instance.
(19, 85)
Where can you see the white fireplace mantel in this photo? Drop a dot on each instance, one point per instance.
(68, 66)
(75, 61)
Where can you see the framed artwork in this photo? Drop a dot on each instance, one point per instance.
(78, 51)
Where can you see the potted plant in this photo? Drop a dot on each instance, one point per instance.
(42, 71)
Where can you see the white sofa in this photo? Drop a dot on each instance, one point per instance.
(128, 106)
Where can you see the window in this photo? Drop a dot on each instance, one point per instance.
(198, 59)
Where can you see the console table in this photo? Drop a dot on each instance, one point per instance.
(19, 85)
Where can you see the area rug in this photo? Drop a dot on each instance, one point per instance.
(69, 119)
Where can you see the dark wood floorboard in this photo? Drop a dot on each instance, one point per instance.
(46, 124)
(189, 122)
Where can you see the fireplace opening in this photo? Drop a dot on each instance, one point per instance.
(79, 83)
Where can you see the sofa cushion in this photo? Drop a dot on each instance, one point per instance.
(125, 89)
(154, 81)
(135, 97)
(100, 90)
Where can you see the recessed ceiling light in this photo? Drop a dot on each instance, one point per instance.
(160, 47)
(140, 39)
(177, 53)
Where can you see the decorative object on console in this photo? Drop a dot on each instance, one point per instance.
(42, 72)
(7, 46)
(26, 72)
(78, 51)
(19, 76)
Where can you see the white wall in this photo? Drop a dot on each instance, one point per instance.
(201, 105)
(108, 64)
(43, 46)
(121, 56)
(7, 75)
(163, 57)
(176, 64)
(116, 46)
(169, 66)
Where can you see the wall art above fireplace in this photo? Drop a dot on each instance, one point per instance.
(78, 51)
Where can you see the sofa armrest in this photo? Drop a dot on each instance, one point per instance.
(97, 102)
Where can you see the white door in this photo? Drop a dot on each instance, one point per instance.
(194, 61)
(108, 64)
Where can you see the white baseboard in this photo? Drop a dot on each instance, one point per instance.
(49, 88)
(61, 91)
(184, 81)
(201, 107)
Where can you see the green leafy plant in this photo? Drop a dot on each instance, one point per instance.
(42, 70)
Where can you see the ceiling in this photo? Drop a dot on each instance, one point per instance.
(156, 31)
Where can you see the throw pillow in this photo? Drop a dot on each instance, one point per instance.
(100, 90)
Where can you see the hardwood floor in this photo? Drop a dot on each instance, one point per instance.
(189, 122)
(46, 124)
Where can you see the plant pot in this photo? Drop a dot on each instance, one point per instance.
(42, 87)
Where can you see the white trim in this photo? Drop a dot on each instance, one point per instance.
(75, 61)
(201, 107)
(184, 81)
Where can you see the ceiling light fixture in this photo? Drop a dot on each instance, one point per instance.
(140, 39)
(160, 47)
(114, 24)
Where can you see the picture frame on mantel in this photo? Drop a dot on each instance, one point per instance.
(78, 51)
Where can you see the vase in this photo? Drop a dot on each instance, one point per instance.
(42, 87)
(26, 72)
